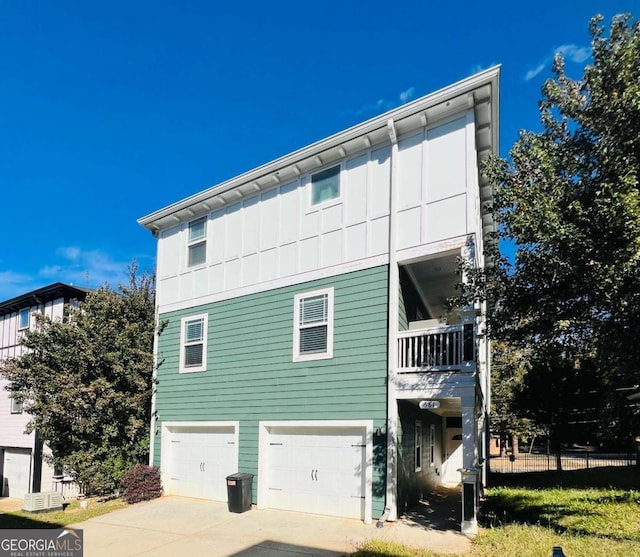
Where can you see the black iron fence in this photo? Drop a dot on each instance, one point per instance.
(570, 460)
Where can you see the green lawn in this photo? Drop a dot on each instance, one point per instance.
(57, 519)
(589, 513)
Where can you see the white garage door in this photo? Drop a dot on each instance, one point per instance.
(318, 470)
(198, 459)
(16, 472)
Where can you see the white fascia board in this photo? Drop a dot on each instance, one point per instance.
(414, 108)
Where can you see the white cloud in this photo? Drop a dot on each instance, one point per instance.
(574, 53)
(13, 284)
(407, 95)
(570, 52)
(534, 72)
(90, 268)
(383, 105)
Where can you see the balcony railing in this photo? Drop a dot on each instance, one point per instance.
(445, 348)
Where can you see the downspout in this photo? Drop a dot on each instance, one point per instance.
(391, 505)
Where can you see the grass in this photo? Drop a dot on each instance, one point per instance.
(57, 519)
(589, 513)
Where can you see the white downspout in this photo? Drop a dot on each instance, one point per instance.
(391, 506)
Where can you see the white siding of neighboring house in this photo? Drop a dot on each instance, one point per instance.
(262, 242)
(12, 426)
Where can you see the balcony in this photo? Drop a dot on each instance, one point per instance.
(443, 348)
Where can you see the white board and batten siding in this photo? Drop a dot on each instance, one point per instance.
(19, 446)
(277, 237)
(12, 426)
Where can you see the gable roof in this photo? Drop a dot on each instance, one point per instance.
(480, 92)
(41, 296)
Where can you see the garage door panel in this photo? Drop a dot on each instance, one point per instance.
(317, 470)
(17, 471)
(200, 460)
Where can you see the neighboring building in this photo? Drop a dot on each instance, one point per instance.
(22, 469)
(308, 339)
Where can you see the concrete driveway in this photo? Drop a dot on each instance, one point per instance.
(172, 526)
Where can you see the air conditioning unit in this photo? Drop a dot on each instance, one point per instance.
(45, 501)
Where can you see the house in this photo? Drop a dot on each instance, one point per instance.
(308, 338)
(22, 468)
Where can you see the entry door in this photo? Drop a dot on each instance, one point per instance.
(200, 460)
(17, 471)
(453, 455)
(317, 470)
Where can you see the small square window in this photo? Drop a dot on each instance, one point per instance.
(16, 406)
(325, 185)
(313, 325)
(197, 244)
(23, 319)
(193, 353)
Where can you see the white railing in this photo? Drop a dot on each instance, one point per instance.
(445, 348)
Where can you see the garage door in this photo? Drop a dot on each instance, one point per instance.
(318, 470)
(16, 472)
(199, 459)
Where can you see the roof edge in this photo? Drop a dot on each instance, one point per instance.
(467, 85)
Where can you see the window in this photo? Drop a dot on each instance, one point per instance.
(193, 348)
(16, 406)
(325, 185)
(197, 244)
(432, 445)
(417, 446)
(23, 320)
(313, 325)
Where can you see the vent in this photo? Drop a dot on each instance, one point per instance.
(46, 501)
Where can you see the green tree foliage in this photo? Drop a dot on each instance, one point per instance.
(569, 201)
(508, 369)
(87, 382)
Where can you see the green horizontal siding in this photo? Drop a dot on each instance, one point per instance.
(251, 376)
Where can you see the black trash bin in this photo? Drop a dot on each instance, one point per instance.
(239, 492)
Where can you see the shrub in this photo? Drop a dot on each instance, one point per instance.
(141, 483)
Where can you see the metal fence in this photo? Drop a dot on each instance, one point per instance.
(571, 460)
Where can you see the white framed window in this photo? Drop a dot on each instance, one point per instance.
(313, 325)
(325, 185)
(193, 343)
(197, 242)
(16, 406)
(432, 445)
(417, 446)
(23, 319)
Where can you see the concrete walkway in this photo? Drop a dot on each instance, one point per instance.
(172, 526)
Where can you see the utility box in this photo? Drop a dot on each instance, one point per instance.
(239, 487)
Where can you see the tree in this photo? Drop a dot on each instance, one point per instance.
(509, 368)
(87, 382)
(569, 201)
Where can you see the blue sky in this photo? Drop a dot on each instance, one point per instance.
(110, 111)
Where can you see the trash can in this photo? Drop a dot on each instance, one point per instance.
(239, 492)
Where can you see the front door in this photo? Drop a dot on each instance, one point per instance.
(453, 456)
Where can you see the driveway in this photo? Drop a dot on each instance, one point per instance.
(172, 526)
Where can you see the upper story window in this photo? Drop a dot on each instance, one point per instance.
(16, 406)
(193, 345)
(325, 185)
(23, 319)
(197, 244)
(313, 325)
